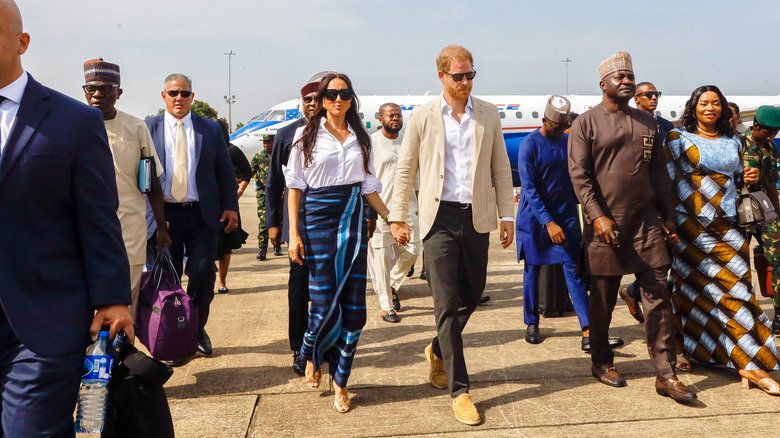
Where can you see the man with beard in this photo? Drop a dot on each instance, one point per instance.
(276, 220)
(456, 143)
(391, 262)
(618, 171)
(130, 142)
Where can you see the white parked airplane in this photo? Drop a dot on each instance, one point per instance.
(520, 115)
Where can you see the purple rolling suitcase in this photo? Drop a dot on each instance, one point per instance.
(167, 320)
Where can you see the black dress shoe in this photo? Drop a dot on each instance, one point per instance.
(396, 301)
(608, 375)
(278, 251)
(776, 322)
(675, 389)
(204, 344)
(391, 316)
(423, 275)
(484, 299)
(411, 272)
(299, 364)
(223, 290)
(532, 335)
(178, 362)
(613, 343)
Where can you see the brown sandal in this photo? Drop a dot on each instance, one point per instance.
(683, 364)
(342, 404)
(312, 378)
(766, 384)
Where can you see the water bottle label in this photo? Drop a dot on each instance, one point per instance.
(97, 368)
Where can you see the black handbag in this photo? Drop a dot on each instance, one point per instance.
(138, 406)
(754, 208)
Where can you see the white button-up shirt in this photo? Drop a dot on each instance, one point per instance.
(458, 154)
(13, 93)
(170, 150)
(333, 164)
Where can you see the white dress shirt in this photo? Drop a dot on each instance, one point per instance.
(333, 164)
(458, 154)
(13, 93)
(170, 150)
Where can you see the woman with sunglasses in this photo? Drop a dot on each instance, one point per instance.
(717, 316)
(330, 171)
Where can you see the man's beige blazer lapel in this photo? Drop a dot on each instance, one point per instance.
(480, 118)
(437, 127)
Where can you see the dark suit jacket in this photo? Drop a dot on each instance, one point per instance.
(62, 250)
(275, 182)
(214, 175)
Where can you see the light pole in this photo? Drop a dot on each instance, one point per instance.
(230, 98)
(566, 63)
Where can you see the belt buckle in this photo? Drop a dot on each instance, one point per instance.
(464, 206)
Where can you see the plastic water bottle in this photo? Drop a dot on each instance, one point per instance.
(94, 386)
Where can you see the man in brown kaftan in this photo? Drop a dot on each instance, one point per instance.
(619, 175)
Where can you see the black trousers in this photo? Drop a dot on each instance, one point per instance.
(659, 321)
(189, 232)
(298, 303)
(456, 259)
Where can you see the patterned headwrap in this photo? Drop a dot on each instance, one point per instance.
(618, 61)
(557, 110)
(99, 70)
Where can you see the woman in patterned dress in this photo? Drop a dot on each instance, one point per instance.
(717, 316)
(331, 173)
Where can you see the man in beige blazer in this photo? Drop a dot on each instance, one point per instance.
(456, 143)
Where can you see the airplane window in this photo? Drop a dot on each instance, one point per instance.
(276, 116)
(519, 115)
(376, 115)
(361, 116)
(535, 115)
(674, 113)
(501, 114)
(260, 117)
(658, 113)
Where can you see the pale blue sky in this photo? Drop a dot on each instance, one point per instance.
(389, 47)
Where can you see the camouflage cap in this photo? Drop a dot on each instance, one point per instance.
(268, 137)
(768, 116)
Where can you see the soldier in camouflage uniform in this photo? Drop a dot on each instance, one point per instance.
(761, 153)
(260, 163)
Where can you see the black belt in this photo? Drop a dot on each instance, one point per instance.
(456, 205)
(183, 204)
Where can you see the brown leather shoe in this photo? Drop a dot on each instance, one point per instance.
(436, 373)
(633, 305)
(608, 375)
(675, 389)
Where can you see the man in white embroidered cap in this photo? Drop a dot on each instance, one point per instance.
(618, 171)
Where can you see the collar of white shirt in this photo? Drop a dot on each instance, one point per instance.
(171, 120)
(446, 108)
(322, 126)
(15, 90)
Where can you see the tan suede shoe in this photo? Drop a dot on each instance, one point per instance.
(436, 375)
(465, 411)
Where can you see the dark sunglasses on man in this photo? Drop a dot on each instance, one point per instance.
(649, 94)
(104, 89)
(345, 94)
(184, 93)
(307, 99)
(457, 77)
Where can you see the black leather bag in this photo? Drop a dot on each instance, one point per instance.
(138, 406)
(754, 208)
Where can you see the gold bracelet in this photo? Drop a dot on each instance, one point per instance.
(385, 215)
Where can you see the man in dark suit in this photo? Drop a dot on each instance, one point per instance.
(63, 256)
(275, 219)
(199, 188)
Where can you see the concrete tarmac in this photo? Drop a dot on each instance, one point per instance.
(248, 389)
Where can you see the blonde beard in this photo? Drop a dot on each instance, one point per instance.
(458, 92)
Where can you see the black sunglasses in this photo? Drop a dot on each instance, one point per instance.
(457, 77)
(649, 94)
(345, 94)
(307, 99)
(104, 89)
(184, 93)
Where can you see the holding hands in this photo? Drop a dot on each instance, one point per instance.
(401, 231)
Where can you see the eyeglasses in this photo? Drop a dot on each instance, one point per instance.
(345, 94)
(393, 116)
(104, 89)
(457, 77)
(184, 93)
(307, 99)
(649, 94)
(560, 128)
